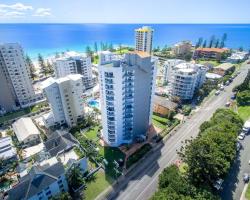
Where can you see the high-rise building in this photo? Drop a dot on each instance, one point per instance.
(65, 97)
(74, 63)
(127, 88)
(185, 78)
(144, 39)
(16, 86)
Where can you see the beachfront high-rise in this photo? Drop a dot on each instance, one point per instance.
(16, 86)
(65, 98)
(127, 88)
(144, 39)
(75, 63)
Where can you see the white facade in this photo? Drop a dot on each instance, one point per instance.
(106, 57)
(168, 68)
(185, 78)
(123, 85)
(15, 78)
(74, 63)
(144, 39)
(237, 57)
(65, 98)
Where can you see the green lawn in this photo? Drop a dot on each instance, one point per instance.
(122, 51)
(22, 112)
(111, 154)
(92, 133)
(213, 62)
(96, 185)
(160, 122)
(244, 112)
(247, 195)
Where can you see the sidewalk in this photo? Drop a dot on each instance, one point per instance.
(244, 192)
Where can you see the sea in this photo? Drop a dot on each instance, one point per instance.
(48, 39)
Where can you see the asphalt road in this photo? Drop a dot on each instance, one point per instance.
(141, 182)
(233, 184)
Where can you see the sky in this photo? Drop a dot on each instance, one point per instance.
(124, 11)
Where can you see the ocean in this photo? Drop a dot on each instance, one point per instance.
(50, 38)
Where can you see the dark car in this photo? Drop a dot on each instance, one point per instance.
(245, 178)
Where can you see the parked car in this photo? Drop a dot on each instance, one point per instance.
(245, 130)
(238, 146)
(218, 184)
(245, 178)
(233, 97)
(228, 104)
(241, 136)
(221, 88)
(217, 92)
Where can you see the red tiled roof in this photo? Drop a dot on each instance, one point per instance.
(217, 50)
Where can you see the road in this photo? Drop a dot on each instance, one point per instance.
(142, 182)
(233, 185)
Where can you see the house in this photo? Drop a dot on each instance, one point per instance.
(7, 150)
(60, 142)
(237, 57)
(163, 106)
(209, 53)
(26, 131)
(41, 183)
(224, 69)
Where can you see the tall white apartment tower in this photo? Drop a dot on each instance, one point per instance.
(74, 63)
(126, 88)
(144, 39)
(16, 85)
(65, 98)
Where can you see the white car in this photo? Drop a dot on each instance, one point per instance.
(217, 92)
(241, 136)
(228, 104)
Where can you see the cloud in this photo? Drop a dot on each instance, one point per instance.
(20, 10)
(17, 6)
(42, 12)
(14, 10)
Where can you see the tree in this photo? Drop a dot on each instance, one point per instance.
(89, 52)
(62, 196)
(243, 98)
(199, 43)
(43, 67)
(120, 48)
(96, 47)
(245, 85)
(31, 67)
(241, 49)
(209, 156)
(111, 48)
(223, 39)
(212, 41)
(217, 43)
(75, 178)
(204, 44)
(49, 67)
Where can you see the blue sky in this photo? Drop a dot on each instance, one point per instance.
(125, 11)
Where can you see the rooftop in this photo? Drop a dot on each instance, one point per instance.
(59, 142)
(165, 102)
(6, 148)
(38, 178)
(142, 54)
(144, 29)
(217, 50)
(24, 127)
(224, 66)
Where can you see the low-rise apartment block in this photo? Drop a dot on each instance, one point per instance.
(209, 53)
(182, 48)
(185, 78)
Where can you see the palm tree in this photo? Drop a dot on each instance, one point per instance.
(74, 178)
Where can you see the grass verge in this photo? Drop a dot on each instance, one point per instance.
(244, 112)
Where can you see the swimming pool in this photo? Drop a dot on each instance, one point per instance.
(93, 103)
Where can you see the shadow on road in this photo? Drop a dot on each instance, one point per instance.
(147, 166)
(231, 181)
